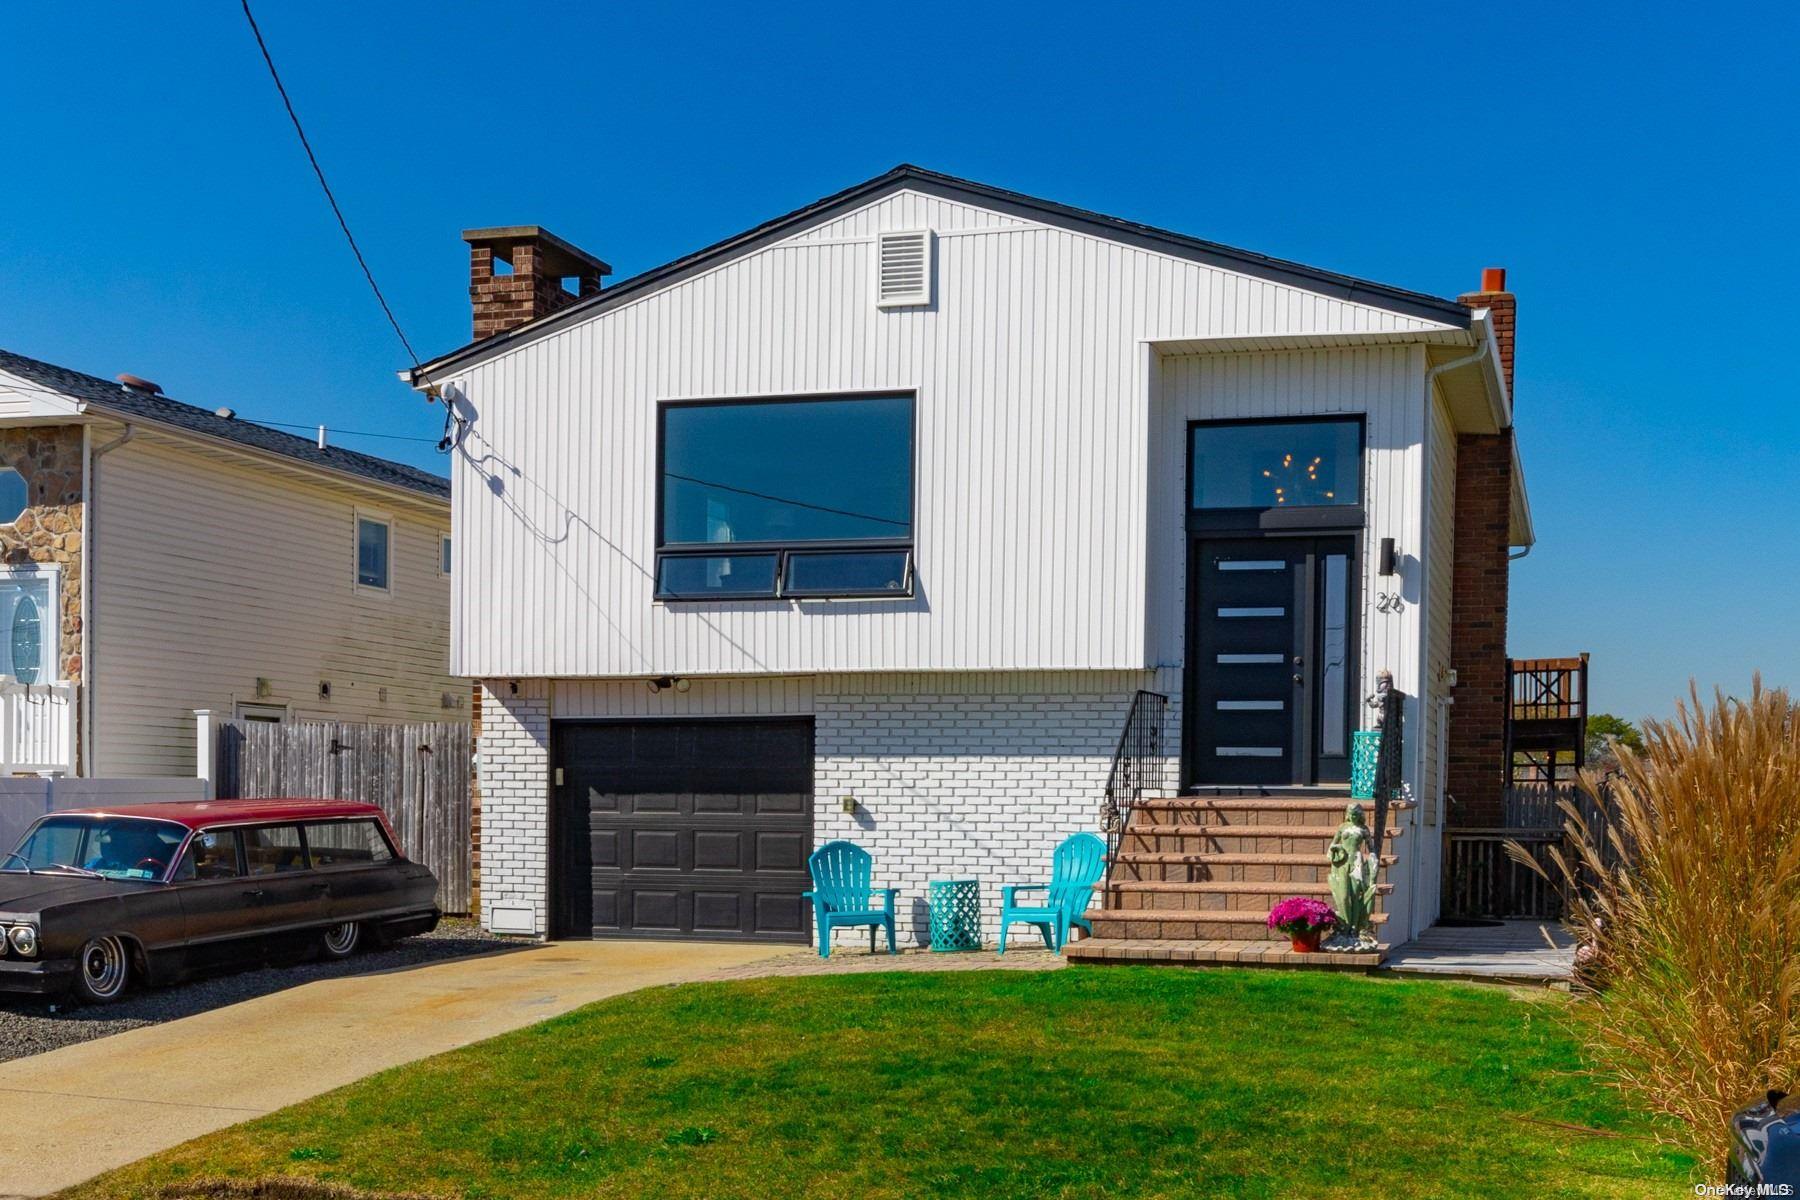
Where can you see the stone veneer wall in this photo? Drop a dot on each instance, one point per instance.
(51, 528)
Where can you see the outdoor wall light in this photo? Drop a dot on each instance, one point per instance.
(848, 802)
(663, 683)
(1390, 561)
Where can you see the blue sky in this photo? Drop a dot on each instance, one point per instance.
(1633, 168)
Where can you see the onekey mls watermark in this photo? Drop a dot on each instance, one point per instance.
(1732, 1191)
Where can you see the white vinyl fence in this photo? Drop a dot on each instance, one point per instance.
(24, 800)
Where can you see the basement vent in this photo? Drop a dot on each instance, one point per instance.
(904, 276)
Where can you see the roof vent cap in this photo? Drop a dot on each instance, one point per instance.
(227, 413)
(137, 384)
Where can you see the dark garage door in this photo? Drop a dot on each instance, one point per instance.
(683, 829)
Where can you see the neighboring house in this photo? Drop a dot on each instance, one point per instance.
(161, 558)
(870, 522)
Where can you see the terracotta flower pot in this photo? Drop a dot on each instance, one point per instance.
(1306, 943)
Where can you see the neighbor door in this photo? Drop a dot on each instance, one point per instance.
(1271, 660)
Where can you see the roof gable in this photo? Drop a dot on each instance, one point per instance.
(1011, 204)
(124, 403)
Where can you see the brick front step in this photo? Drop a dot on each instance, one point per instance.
(1216, 952)
(1320, 833)
(1229, 858)
(1253, 810)
(1234, 924)
(1251, 897)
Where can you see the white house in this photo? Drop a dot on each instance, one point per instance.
(872, 521)
(161, 558)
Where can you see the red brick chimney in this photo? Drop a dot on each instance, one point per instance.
(1494, 297)
(1480, 585)
(544, 274)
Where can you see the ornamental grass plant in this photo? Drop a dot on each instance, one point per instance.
(1686, 907)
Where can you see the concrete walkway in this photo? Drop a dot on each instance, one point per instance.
(1505, 952)
(73, 1113)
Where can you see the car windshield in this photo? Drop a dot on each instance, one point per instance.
(112, 847)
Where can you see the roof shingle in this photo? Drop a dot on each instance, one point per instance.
(130, 404)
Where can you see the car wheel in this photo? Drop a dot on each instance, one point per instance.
(103, 969)
(341, 941)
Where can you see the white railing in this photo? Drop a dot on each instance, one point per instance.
(37, 728)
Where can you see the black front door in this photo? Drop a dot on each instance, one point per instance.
(1271, 670)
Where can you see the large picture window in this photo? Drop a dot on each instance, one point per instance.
(1276, 464)
(803, 498)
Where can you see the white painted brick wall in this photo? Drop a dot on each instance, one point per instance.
(955, 775)
(514, 762)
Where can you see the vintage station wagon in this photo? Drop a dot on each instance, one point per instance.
(93, 899)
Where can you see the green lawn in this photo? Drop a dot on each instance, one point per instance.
(1082, 1082)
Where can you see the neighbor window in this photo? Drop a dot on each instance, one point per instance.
(14, 495)
(444, 553)
(27, 625)
(372, 538)
(767, 498)
(1277, 464)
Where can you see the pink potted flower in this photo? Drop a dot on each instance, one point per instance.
(1304, 920)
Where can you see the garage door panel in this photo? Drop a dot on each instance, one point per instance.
(606, 906)
(659, 910)
(720, 850)
(719, 804)
(653, 802)
(655, 850)
(718, 912)
(782, 851)
(685, 828)
(781, 914)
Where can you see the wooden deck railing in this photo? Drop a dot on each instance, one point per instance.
(1548, 689)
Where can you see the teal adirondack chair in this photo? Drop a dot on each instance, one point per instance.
(1074, 870)
(842, 895)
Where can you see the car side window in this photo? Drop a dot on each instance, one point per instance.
(274, 850)
(213, 854)
(347, 844)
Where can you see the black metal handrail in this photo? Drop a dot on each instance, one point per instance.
(1139, 765)
(1390, 704)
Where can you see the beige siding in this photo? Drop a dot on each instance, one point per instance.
(208, 576)
(1033, 446)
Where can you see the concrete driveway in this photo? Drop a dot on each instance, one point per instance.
(81, 1110)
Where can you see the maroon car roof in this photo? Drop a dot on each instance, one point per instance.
(195, 813)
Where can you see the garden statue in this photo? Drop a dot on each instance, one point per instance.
(1352, 879)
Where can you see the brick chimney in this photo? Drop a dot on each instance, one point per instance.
(1494, 297)
(1480, 587)
(540, 274)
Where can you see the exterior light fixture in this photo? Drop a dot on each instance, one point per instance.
(1390, 561)
(663, 683)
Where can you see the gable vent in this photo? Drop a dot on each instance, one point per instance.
(904, 269)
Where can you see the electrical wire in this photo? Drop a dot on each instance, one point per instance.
(329, 197)
(394, 437)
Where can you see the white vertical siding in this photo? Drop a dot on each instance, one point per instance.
(1033, 435)
(207, 576)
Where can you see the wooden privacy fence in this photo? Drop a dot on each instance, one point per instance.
(417, 773)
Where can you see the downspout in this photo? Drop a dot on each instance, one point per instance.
(89, 558)
(1433, 807)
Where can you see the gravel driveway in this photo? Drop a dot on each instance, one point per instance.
(30, 1026)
